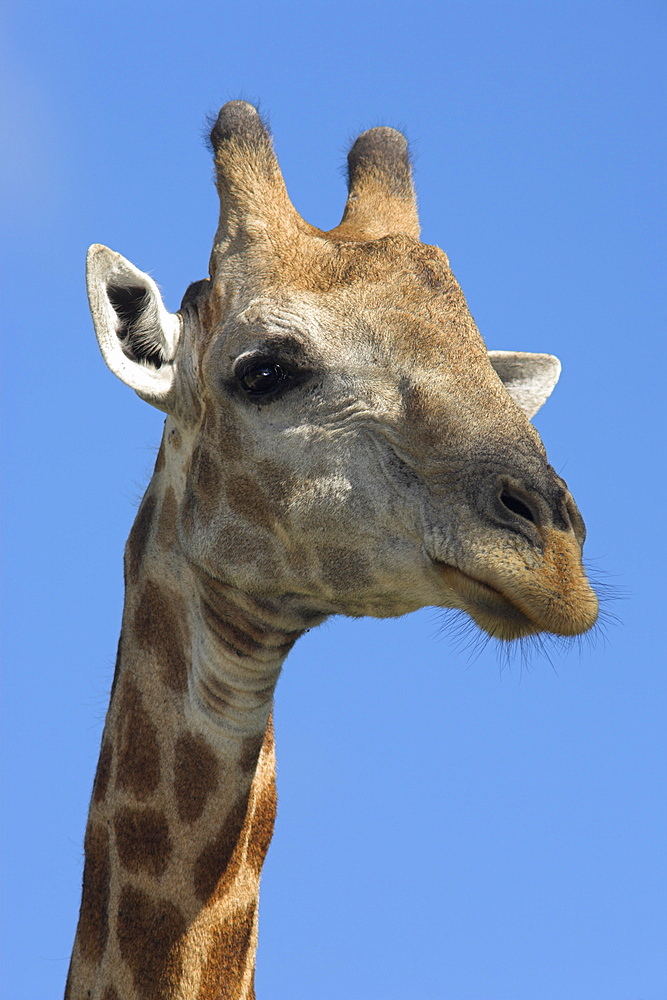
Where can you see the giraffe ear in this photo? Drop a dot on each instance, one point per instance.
(529, 378)
(136, 334)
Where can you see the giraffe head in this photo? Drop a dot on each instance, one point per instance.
(338, 439)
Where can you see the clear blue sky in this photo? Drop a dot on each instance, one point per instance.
(449, 829)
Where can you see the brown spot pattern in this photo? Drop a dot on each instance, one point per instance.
(136, 543)
(228, 441)
(103, 772)
(344, 569)
(205, 478)
(219, 861)
(160, 627)
(148, 933)
(247, 498)
(160, 460)
(142, 840)
(278, 481)
(110, 994)
(189, 512)
(243, 549)
(166, 527)
(250, 749)
(138, 767)
(94, 914)
(261, 832)
(195, 776)
(228, 956)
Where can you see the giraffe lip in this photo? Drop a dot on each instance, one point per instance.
(453, 572)
(455, 576)
(521, 599)
(488, 606)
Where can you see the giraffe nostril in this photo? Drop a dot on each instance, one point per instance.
(517, 506)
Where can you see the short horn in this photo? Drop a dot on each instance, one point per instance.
(381, 198)
(253, 196)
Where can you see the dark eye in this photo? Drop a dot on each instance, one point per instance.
(261, 378)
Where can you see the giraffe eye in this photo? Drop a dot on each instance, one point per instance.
(261, 378)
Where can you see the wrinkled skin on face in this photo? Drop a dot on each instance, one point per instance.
(350, 448)
(368, 446)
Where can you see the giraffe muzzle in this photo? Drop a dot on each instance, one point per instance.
(511, 592)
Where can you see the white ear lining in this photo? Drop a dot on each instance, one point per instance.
(104, 269)
(529, 378)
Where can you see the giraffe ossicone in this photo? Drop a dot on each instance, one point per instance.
(338, 440)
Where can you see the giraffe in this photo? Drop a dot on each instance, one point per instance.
(337, 440)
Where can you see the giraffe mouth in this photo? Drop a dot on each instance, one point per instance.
(517, 599)
(489, 607)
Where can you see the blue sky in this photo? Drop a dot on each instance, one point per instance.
(449, 828)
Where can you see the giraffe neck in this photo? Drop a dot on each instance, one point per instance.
(184, 797)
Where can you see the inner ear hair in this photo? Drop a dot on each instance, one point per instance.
(138, 328)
